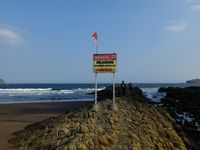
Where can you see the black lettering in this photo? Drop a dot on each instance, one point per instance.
(104, 62)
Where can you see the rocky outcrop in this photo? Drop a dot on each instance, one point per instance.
(2, 81)
(184, 106)
(107, 93)
(135, 125)
(194, 81)
(183, 99)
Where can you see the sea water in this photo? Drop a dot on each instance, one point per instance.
(150, 90)
(32, 93)
(29, 93)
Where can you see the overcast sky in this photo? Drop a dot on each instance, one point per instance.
(50, 41)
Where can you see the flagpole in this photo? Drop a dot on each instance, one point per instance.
(113, 88)
(96, 47)
(95, 102)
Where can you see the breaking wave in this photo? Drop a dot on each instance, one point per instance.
(153, 94)
(46, 91)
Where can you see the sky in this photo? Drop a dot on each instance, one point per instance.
(156, 41)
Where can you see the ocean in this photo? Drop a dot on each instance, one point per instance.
(33, 93)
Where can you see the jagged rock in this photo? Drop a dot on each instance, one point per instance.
(135, 125)
(180, 101)
(84, 129)
(61, 134)
(82, 147)
(105, 140)
(64, 141)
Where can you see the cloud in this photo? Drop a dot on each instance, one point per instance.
(10, 36)
(177, 26)
(192, 1)
(13, 28)
(195, 7)
(193, 4)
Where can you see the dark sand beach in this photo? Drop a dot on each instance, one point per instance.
(14, 117)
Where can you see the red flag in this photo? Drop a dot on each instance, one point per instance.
(94, 36)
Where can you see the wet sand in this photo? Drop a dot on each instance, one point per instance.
(14, 117)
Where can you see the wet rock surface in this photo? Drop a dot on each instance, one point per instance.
(135, 125)
(184, 106)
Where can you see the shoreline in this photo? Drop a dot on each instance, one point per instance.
(46, 101)
(14, 117)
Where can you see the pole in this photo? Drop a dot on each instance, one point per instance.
(96, 47)
(113, 88)
(114, 106)
(95, 102)
(95, 108)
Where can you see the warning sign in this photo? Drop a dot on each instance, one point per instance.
(105, 63)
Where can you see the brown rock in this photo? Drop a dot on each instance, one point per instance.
(103, 140)
(106, 140)
(135, 125)
(61, 134)
(84, 129)
(82, 147)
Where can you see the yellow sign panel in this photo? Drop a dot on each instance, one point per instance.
(104, 63)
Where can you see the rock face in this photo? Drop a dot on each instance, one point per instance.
(135, 126)
(184, 105)
(183, 99)
(2, 81)
(107, 93)
(194, 81)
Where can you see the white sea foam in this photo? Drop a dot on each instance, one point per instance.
(153, 94)
(29, 95)
(66, 92)
(44, 91)
(25, 89)
(185, 116)
(88, 90)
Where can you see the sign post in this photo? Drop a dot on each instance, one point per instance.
(95, 108)
(114, 106)
(105, 63)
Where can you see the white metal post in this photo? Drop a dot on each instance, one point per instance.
(95, 108)
(114, 106)
(96, 48)
(95, 89)
(113, 88)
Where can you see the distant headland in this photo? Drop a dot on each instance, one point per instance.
(194, 81)
(2, 81)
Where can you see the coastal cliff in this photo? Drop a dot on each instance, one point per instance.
(2, 81)
(135, 125)
(194, 81)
